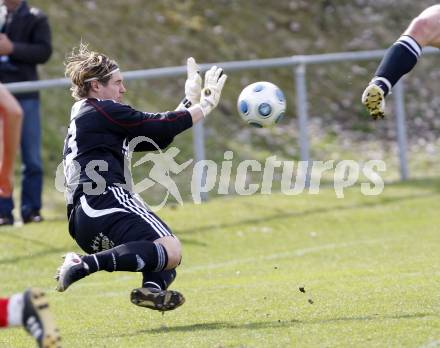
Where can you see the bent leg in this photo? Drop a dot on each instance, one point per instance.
(119, 236)
(174, 250)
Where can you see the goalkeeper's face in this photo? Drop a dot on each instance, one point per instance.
(114, 89)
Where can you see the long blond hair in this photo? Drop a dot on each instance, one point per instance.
(83, 66)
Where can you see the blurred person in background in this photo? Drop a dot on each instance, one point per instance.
(10, 129)
(109, 221)
(30, 309)
(25, 41)
(401, 57)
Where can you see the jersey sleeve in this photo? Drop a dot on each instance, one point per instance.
(148, 146)
(159, 127)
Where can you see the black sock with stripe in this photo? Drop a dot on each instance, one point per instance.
(132, 257)
(399, 59)
(158, 280)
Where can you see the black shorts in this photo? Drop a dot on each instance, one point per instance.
(115, 217)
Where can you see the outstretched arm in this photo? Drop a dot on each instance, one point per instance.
(162, 127)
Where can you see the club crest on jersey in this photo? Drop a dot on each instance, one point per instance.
(101, 243)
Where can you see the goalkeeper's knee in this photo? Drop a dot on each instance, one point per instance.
(174, 250)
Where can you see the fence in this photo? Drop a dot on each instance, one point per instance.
(298, 63)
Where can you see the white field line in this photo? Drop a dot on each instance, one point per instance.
(295, 253)
(127, 277)
(288, 254)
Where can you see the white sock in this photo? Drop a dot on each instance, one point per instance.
(15, 310)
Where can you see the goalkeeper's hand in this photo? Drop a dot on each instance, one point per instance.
(214, 82)
(193, 85)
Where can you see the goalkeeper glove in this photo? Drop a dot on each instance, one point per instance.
(214, 82)
(193, 85)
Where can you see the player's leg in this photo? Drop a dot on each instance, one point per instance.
(139, 256)
(425, 28)
(154, 293)
(401, 58)
(32, 174)
(120, 235)
(134, 256)
(11, 120)
(31, 310)
(159, 280)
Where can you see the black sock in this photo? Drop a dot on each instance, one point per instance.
(160, 280)
(399, 59)
(132, 257)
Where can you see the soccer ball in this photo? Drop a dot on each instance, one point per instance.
(261, 104)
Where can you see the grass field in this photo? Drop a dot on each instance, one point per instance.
(369, 264)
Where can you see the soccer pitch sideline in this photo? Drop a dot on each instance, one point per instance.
(369, 267)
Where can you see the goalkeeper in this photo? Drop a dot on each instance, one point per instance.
(115, 227)
(401, 57)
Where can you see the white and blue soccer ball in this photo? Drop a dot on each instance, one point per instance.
(261, 104)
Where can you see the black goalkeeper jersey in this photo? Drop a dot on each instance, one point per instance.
(98, 137)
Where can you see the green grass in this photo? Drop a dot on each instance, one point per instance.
(370, 264)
